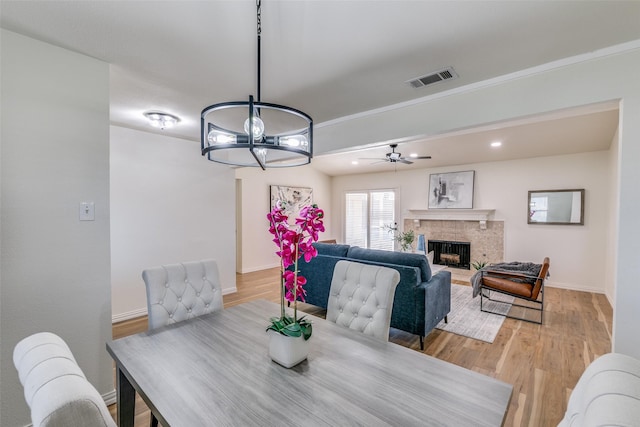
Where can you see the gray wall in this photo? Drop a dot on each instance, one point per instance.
(55, 270)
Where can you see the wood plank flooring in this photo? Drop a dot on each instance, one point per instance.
(542, 362)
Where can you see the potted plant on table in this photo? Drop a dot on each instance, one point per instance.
(404, 238)
(288, 335)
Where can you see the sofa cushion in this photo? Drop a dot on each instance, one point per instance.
(390, 257)
(331, 249)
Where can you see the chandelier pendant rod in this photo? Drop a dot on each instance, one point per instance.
(255, 112)
(259, 32)
(293, 145)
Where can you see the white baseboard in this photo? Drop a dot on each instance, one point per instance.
(110, 397)
(129, 315)
(229, 291)
(572, 287)
(263, 267)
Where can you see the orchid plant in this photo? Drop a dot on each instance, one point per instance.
(294, 243)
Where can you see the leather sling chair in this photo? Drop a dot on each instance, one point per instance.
(520, 286)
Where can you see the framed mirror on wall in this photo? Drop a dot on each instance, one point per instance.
(560, 207)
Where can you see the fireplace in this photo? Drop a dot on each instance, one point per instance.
(452, 254)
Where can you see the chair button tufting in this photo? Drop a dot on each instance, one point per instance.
(197, 294)
(206, 305)
(350, 298)
(166, 285)
(179, 298)
(189, 310)
(171, 315)
(161, 302)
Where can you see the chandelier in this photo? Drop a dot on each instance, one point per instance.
(254, 133)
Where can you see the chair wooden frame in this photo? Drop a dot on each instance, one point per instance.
(503, 282)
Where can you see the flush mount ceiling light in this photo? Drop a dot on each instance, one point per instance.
(255, 133)
(496, 144)
(161, 120)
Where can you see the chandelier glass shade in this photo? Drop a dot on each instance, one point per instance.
(254, 133)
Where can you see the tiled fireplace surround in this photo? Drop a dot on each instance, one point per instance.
(486, 244)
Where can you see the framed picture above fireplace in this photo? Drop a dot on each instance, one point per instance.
(451, 190)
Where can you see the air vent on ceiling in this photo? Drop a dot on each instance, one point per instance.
(438, 76)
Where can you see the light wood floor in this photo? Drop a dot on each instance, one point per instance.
(543, 363)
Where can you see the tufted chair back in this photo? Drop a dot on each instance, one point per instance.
(55, 387)
(178, 292)
(361, 297)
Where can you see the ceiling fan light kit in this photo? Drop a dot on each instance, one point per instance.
(396, 157)
(254, 133)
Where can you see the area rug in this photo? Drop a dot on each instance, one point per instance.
(466, 319)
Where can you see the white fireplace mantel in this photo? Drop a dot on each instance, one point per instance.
(450, 214)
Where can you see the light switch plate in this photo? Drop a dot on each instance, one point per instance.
(87, 211)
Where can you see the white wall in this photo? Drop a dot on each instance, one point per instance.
(168, 204)
(258, 250)
(55, 154)
(612, 231)
(626, 316)
(503, 186)
(563, 85)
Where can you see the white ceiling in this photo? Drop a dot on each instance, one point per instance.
(331, 59)
(589, 128)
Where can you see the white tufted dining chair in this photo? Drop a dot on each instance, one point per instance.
(361, 297)
(55, 388)
(178, 292)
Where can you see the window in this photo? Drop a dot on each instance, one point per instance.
(538, 209)
(366, 215)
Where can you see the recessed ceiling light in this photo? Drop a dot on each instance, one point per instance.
(354, 162)
(414, 155)
(496, 144)
(161, 120)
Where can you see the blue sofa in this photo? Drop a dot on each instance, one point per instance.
(421, 300)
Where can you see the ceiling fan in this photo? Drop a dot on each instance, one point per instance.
(395, 157)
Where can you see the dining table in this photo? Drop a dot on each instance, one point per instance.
(215, 370)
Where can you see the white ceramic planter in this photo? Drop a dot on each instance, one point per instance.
(287, 351)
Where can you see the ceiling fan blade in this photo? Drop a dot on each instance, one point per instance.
(421, 157)
(405, 161)
(372, 158)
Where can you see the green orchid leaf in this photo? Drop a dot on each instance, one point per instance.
(307, 329)
(292, 333)
(293, 327)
